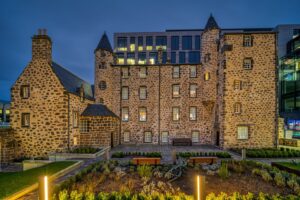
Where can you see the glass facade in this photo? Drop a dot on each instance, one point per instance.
(175, 43)
(140, 43)
(194, 57)
(197, 42)
(173, 57)
(161, 42)
(122, 44)
(187, 43)
(153, 58)
(149, 43)
(142, 58)
(181, 57)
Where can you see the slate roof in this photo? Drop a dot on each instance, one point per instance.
(104, 44)
(71, 82)
(211, 23)
(97, 110)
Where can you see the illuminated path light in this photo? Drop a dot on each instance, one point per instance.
(200, 188)
(44, 188)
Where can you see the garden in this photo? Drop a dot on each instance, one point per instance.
(226, 179)
(271, 153)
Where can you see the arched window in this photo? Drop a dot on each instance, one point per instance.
(102, 85)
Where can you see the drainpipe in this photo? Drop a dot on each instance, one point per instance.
(159, 139)
(68, 122)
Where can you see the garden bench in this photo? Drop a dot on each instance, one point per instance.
(146, 161)
(201, 160)
(182, 142)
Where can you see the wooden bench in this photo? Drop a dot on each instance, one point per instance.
(182, 142)
(146, 161)
(201, 160)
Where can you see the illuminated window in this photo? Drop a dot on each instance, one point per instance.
(193, 90)
(125, 72)
(206, 76)
(147, 137)
(25, 92)
(120, 58)
(143, 72)
(247, 41)
(164, 136)
(195, 136)
(175, 43)
(102, 85)
(125, 93)
(152, 58)
(75, 141)
(7, 112)
(132, 44)
(176, 91)
(143, 92)
(176, 71)
(140, 43)
(149, 43)
(193, 71)
(25, 119)
(193, 113)
(126, 136)
(237, 108)
(84, 126)
(142, 114)
(243, 132)
(247, 63)
(125, 114)
(187, 43)
(75, 119)
(175, 113)
(237, 85)
(130, 58)
(161, 42)
(122, 44)
(142, 58)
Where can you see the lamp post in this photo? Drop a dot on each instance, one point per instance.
(200, 188)
(44, 188)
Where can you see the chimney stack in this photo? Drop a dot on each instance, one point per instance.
(42, 46)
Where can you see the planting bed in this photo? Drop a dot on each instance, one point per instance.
(270, 153)
(112, 180)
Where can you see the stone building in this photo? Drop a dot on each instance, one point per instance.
(46, 106)
(229, 99)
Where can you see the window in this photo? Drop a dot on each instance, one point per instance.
(126, 136)
(147, 137)
(102, 85)
(176, 72)
(25, 92)
(84, 126)
(25, 119)
(237, 85)
(122, 44)
(142, 58)
(193, 90)
(194, 57)
(120, 58)
(164, 136)
(132, 44)
(207, 57)
(187, 43)
(75, 141)
(161, 42)
(143, 72)
(149, 43)
(130, 58)
(152, 58)
(247, 63)
(173, 57)
(140, 43)
(176, 113)
(142, 114)
(193, 113)
(174, 42)
(193, 71)
(247, 41)
(195, 136)
(175, 91)
(75, 119)
(125, 72)
(125, 114)
(102, 65)
(143, 92)
(125, 93)
(101, 100)
(243, 132)
(237, 108)
(197, 42)
(181, 57)
(164, 57)
(206, 76)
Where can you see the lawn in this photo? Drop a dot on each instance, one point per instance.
(290, 165)
(11, 182)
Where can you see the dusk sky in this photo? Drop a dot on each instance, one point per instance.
(76, 26)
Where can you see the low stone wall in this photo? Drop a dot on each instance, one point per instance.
(7, 145)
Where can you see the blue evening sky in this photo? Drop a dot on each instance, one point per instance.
(76, 26)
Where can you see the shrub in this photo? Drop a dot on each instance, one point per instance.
(63, 195)
(85, 150)
(292, 182)
(76, 196)
(256, 171)
(223, 171)
(266, 176)
(144, 171)
(279, 179)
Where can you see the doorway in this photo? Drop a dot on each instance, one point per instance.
(218, 138)
(111, 140)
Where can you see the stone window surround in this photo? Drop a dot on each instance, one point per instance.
(247, 40)
(165, 142)
(190, 89)
(174, 107)
(245, 63)
(248, 131)
(140, 114)
(124, 138)
(23, 115)
(22, 91)
(173, 86)
(146, 92)
(175, 75)
(196, 71)
(237, 108)
(125, 87)
(193, 120)
(198, 136)
(142, 75)
(147, 132)
(122, 72)
(123, 119)
(237, 85)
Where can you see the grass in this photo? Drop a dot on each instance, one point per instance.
(11, 182)
(290, 165)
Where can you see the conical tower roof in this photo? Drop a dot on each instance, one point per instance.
(211, 23)
(104, 44)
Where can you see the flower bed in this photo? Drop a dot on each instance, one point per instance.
(121, 154)
(85, 150)
(203, 154)
(271, 153)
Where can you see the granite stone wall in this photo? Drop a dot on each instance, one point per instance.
(8, 145)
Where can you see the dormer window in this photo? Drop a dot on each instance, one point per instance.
(25, 92)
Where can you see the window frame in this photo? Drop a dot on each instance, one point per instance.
(145, 120)
(22, 91)
(102, 85)
(122, 72)
(198, 136)
(190, 90)
(196, 71)
(175, 107)
(173, 71)
(84, 126)
(245, 65)
(237, 85)
(146, 93)
(126, 141)
(122, 114)
(247, 40)
(75, 120)
(195, 119)
(173, 86)
(23, 115)
(125, 87)
(146, 132)
(238, 133)
(140, 72)
(167, 138)
(237, 108)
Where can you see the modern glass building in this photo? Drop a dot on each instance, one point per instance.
(289, 76)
